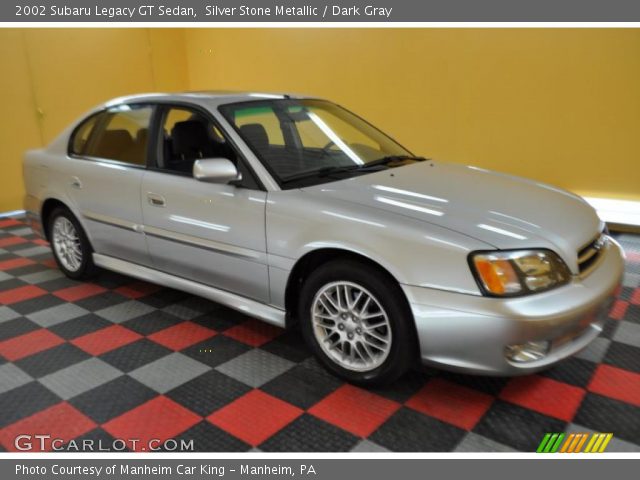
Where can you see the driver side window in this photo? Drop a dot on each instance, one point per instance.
(187, 135)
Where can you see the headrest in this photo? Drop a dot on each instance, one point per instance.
(112, 142)
(189, 138)
(256, 135)
(142, 135)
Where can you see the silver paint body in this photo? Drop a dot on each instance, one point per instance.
(419, 222)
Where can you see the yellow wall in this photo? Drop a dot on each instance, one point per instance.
(18, 124)
(51, 76)
(558, 105)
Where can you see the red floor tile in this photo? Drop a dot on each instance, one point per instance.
(73, 294)
(451, 403)
(15, 263)
(182, 335)
(255, 417)
(635, 297)
(20, 294)
(616, 383)
(9, 222)
(41, 242)
(49, 262)
(253, 332)
(544, 395)
(8, 241)
(355, 410)
(28, 344)
(105, 340)
(618, 309)
(60, 421)
(159, 418)
(138, 289)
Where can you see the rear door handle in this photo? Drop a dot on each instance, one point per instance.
(156, 200)
(76, 183)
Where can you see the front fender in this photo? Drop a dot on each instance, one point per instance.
(414, 252)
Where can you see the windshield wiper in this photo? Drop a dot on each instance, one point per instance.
(392, 158)
(326, 171)
(321, 172)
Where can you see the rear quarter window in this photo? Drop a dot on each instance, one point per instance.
(82, 134)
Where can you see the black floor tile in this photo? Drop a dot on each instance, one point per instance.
(216, 350)
(209, 438)
(310, 434)
(109, 401)
(516, 427)
(408, 431)
(52, 360)
(134, 355)
(303, 385)
(208, 392)
(24, 401)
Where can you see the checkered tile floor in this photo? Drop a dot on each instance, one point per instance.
(119, 358)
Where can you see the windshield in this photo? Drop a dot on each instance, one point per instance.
(311, 141)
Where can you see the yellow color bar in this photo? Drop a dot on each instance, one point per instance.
(606, 441)
(591, 442)
(596, 445)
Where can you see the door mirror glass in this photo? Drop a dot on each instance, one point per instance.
(215, 170)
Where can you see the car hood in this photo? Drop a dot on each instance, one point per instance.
(501, 210)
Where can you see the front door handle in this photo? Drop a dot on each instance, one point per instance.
(76, 183)
(156, 200)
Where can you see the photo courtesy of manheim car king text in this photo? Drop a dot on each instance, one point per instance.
(319, 239)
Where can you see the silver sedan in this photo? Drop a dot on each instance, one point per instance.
(298, 212)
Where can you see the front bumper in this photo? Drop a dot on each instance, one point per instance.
(469, 333)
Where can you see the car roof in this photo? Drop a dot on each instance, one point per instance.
(204, 97)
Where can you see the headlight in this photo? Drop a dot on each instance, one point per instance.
(512, 273)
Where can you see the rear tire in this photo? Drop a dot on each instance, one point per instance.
(357, 322)
(70, 245)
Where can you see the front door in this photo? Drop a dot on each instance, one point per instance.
(210, 233)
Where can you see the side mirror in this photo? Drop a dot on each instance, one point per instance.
(215, 170)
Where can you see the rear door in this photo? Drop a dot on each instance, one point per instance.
(106, 163)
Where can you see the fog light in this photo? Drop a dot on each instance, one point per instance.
(527, 352)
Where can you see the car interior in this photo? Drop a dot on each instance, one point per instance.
(190, 140)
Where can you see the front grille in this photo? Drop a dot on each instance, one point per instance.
(590, 253)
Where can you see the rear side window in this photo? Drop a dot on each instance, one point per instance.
(122, 134)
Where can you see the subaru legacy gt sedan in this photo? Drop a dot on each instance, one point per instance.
(296, 211)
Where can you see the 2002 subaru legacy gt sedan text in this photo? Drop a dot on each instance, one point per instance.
(296, 211)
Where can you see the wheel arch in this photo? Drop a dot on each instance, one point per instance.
(312, 260)
(48, 206)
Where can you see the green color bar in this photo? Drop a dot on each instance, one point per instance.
(556, 446)
(550, 443)
(543, 443)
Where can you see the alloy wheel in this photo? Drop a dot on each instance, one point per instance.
(66, 243)
(351, 326)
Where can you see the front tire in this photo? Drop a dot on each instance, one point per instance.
(70, 245)
(356, 320)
